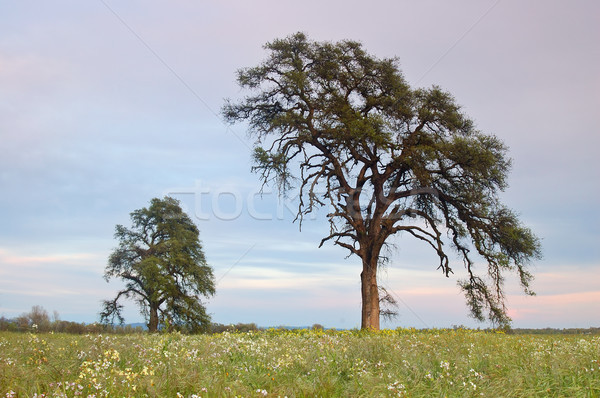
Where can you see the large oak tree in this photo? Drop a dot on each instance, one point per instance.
(162, 263)
(386, 159)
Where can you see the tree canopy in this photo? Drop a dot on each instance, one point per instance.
(347, 130)
(162, 263)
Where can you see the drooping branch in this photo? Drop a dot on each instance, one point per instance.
(112, 309)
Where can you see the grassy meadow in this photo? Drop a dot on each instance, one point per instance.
(301, 363)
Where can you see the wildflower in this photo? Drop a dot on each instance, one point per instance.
(475, 373)
(396, 386)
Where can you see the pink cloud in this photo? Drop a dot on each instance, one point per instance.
(578, 309)
(11, 258)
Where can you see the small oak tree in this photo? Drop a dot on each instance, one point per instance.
(162, 263)
(386, 159)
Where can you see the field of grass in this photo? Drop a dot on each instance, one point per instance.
(303, 363)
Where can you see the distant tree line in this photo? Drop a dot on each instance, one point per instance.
(592, 330)
(542, 331)
(38, 320)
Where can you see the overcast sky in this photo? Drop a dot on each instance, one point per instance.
(106, 104)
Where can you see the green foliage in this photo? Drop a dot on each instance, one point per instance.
(161, 261)
(300, 363)
(386, 158)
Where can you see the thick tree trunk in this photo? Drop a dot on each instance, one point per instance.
(370, 295)
(153, 323)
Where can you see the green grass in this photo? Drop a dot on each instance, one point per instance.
(401, 363)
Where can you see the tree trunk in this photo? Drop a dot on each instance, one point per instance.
(370, 295)
(153, 323)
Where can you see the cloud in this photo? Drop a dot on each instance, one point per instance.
(566, 296)
(68, 282)
(566, 310)
(11, 257)
(278, 279)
